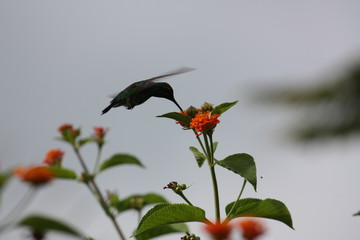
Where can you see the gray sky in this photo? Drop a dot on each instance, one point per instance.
(60, 60)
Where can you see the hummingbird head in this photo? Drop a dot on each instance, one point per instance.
(164, 90)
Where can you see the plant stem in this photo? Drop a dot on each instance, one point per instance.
(210, 157)
(237, 200)
(13, 215)
(216, 193)
(185, 198)
(97, 159)
(201, 144)
(99, 195)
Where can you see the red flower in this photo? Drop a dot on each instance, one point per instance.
(251, 228)
(53, 157)
(99, 132)
(204, 122)
(35, 175)
(69, 134)
(218, 231)
(65, 127)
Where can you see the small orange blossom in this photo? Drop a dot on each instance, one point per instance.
(251, 229)
(35, 175)
(218, 231)
(204, 122)
(53, 157)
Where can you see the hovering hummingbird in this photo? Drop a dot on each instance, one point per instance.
(139, 92)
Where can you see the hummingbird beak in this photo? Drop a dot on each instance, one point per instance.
(177, 104)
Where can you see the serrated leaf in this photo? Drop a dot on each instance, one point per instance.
(357, 214)
(268, 208)
(119, 159)
(163, 230)
(199, 156)
(178, 117)
(220, 109)
(164, 214)
(64, 173)
(46, 224)
(139, 201)
(242, 164)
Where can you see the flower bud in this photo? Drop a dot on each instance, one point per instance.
(206, 107)
(192, 111)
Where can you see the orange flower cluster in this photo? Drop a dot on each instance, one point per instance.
(35, 175)
(201, 119)
(53, 157)
(251, 229)
(99, 132)
(204, 122)
(68, 128)
(218, 231)
(65, 127)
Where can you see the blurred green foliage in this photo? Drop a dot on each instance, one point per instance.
(332, 108)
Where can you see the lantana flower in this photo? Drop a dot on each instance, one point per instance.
(99, 134)
(69, 134)
(218, 230)
(251, 229)
(53, 157)
(36, 176)
(64, 127)
(204, 122)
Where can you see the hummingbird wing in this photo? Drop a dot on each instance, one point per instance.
(171, 73)
(144, 83)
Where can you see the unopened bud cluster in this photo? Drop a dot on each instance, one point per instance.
(189, 236)
(137, 203)
(177, 188)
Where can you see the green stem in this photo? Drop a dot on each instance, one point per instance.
(181, 194)
(93, 186)
(211, 146)
(201, 144)
(14, 214)
(210, 156)
(216, 193)
(97, 159)
(237, 200)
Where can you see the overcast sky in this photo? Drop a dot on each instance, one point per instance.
(61, 60)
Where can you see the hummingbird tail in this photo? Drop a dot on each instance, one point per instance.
(106, 109)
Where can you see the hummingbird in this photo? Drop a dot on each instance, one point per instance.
(139, 92)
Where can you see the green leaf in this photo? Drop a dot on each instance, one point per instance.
(46, 224)
(178, 117)
(357, 214)
(215, 144)
(119, 159)
(83, 141)
(268, 208)
(242, 164)
(164, 214)
(65, 173)
(163, 230)
(199, 156)
(220, 109)
(139, 201)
